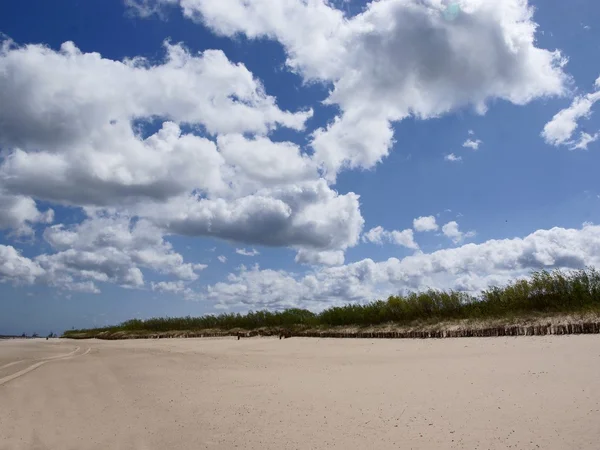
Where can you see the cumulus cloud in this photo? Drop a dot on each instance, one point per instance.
(16, 268)
(85, 91)
(168, 286)
(379, 235)
(487, 51)
(471, 267)
(453, 158)
(425, 223)
(101, 249)
(75, 136)
(222, 258)
(242, 186)
(404, 238)
(266, 162)
(472, 143)
(307, 215)
(560, 130)
(72, 134)
(452, 231)
(78, 133)
(175, 287)
(244, 252)
(126, 169)
(18, 213)
(375, 235)
(326, 258)
(244, 289)
(112, 249)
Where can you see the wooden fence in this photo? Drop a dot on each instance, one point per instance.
(532, 330)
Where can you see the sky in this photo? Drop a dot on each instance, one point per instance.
(175, 157)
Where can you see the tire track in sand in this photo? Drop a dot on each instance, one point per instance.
(12, 363)
(40, 363)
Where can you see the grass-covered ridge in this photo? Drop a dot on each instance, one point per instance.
(544, 293)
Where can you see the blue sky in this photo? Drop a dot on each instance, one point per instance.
(293, 132)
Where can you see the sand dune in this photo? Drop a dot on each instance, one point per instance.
(299, 393)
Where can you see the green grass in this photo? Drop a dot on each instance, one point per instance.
(544, 293)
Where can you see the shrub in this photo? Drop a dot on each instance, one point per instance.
(543, 292)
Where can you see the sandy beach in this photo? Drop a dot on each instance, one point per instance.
(301, 393)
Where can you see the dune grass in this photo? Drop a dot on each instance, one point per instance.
(543, 294)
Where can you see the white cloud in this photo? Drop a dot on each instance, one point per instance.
(105, 265)
(281, 289)
(306, 215)
(77, 132)
(379, 235)
(471, 267)
(86, 92)
(266, 162)
(326, 258)
(472, 144)
(244, 252)
(452, 231)
(222, 258)
(72, 135)
(16, 268)
(488, 51)
(375, 235)
(584, 140)
(176, 287)
(111, 249)
(453, 158)
(351, 142)
(560, 130)
(146, 8)
(404, 238)
(426, 223)
(18, 213)
(121, 170)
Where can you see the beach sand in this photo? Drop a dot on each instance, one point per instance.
(301, 393)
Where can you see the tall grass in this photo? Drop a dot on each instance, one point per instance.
(543, 292)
